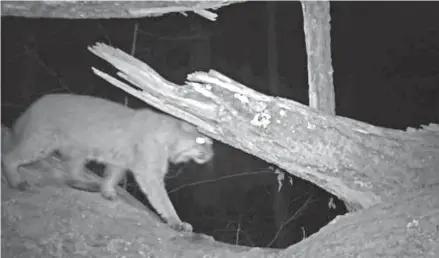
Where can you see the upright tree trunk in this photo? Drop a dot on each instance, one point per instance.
(317, 29)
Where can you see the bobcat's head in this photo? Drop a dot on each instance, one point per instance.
(191, 145)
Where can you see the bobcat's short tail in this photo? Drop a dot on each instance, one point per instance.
(84, 185)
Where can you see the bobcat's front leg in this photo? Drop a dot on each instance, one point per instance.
(159, 199)
(150, 178)
(113, 175)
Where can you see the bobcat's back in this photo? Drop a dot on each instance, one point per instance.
(83, 119)
(92, 127)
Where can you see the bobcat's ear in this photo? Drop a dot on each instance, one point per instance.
(190, 128)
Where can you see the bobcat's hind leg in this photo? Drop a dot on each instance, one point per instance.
(75, 166)
(10, 171)
(26, 151)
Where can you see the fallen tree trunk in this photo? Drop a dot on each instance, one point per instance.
(362, 164)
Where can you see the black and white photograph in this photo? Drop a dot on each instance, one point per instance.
(219, 129)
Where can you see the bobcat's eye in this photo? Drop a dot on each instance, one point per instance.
(203, 140)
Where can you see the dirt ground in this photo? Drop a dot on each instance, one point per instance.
(52, 220)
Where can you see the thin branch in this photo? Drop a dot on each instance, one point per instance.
(134, 43)
(289, 220)
(34, 54)
(219, 179)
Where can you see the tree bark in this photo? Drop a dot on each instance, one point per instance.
(316, 17)
(107, 9)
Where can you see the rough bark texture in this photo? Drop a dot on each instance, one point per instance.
(316, 17)
(360, 163)
(106, 9)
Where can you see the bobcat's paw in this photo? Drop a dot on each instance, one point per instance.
(181, 226)
(109, 194)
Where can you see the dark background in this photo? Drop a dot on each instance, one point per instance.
(386, 72)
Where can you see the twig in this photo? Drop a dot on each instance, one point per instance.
(217, 179)
(289, 220)
(238, 230)
(50, 70)
(134, 43)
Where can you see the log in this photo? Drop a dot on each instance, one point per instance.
(362, 164)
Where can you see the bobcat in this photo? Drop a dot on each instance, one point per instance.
(83, 128)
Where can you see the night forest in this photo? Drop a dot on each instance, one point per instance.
(385, 57)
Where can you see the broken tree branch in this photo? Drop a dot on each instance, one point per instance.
(108, 9)
(360, 163)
